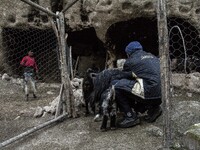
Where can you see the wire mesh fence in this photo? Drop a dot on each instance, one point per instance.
(34, 33)
(184, 46)
(184, 50)
(17, 43)
(24, 31)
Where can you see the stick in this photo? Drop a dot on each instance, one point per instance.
(22, 135)
(68, 6)
(65, 79)
(76, 65)
(59, 45)
(60, 102)
(67, 54)
(39, 7)
(70, 62)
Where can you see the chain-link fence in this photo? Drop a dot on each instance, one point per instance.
(24, 29)
(184, 45)
(18, 41)
(184, 58)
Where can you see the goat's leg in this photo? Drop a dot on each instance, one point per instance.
(113, 115)
(86, 108)
(104, 123)
(105, 115)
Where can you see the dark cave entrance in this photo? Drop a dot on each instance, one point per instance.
(88, 48)
(17, 42)
(145, 31)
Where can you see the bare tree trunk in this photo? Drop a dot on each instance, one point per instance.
(68, 93)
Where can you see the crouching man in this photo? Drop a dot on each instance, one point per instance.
(139, 87)
(30, 68)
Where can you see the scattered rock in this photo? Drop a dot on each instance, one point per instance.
(188, 82)
(184, 114)
(176, 146)
(54, 102)
(44, 114)
(50, 93)
(154, 131)
(78, 95)
(47, 109)
(17, 117)
(80, 80)
(75, 84)
(6, 77)
(17, 81)
(192, 137)
(189, 94)
(39, 111)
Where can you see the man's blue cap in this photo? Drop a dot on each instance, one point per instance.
(132, 47)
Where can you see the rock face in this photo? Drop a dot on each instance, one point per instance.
(192, 137)
(188, 82)
(184, 115)
(102, 14)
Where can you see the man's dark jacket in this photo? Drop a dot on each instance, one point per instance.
(143, 75)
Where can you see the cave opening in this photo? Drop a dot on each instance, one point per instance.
(17, 42)
(88, 48)
(142, 29)
(145, 31)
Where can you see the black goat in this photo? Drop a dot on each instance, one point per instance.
(88, 87)
(103, 94)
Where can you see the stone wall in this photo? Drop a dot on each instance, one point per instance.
(100, 14)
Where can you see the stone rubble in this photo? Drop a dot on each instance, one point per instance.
(78, 97)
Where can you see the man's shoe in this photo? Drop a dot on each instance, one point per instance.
(129, 122)
(153, 113)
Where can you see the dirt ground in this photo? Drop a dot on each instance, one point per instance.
(16, 116)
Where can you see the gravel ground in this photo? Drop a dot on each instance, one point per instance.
(16, 116)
